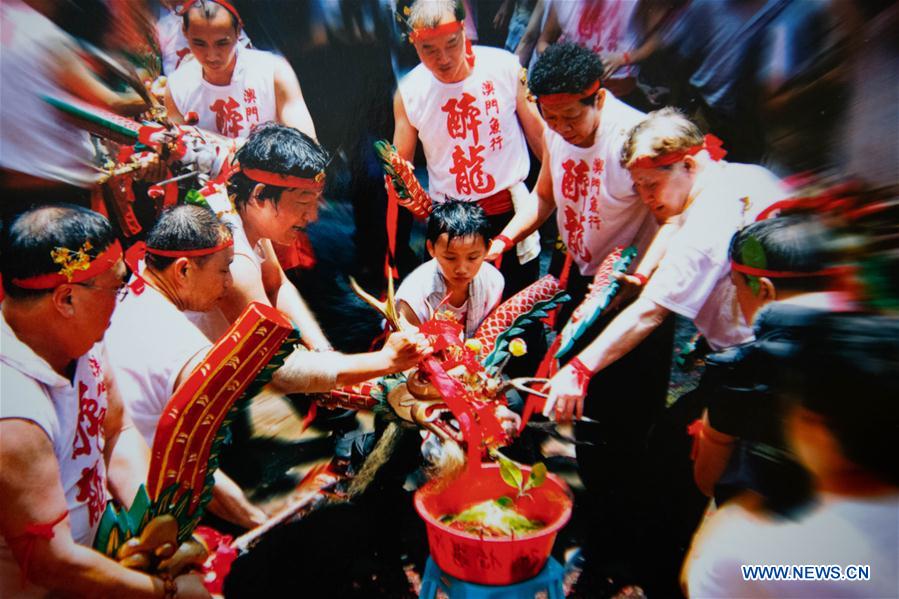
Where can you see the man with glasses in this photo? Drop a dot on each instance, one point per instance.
(66, 442)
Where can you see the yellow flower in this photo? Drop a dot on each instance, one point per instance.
(474, 345)
(517, 347)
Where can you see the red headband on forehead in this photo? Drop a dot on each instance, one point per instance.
(427, 33)
(710, 143)
(788, 274)
(76, 267)
(556, 99)
(139, 250)
(182, 10)
(317, 183)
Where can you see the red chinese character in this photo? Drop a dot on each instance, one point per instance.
(90, 489)
(94, 366)
(492, 103)
(227, 117)
(249, 96)
(487, 88)
(461, 117)
(598, 165)
(494, 125)
(469, 171)
(574, 226)
(253, 113)
(594, 204)
(90, 419)
(181, 54)
(496, 143)
(594, 221)
(575, 179)
(595, 184)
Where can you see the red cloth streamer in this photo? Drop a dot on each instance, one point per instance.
(427, 33)
(317, 183)
(185, 6)
(497, 204)
(393, 213)
(695, 431)
(32, 533)
(711, 144)
(557, 99)
(103, 262)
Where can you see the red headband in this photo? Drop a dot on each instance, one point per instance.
(710, 143)
(289, 181)
(556, 99)
(190, 253)
(185, 6)
(74, 269)
(137, 252)
(787, 274)
(427, 33)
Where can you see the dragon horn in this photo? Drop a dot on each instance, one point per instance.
(387, 308)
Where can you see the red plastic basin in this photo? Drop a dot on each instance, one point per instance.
(490, 560)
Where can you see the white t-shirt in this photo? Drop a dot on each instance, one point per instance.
(596, 206)
(424, 288)
(693, 278)
(173, 44)
(231, 110)
(469, 130)
(838, 531)
(35, 138)
(72, 414)
(149, 342)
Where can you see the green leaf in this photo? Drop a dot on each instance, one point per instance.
(510, 472)
(537, 477)
(505, 501)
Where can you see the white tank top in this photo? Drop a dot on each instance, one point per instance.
(469, 130)
(603, 26)
(231, 110)
(72, 414)
(596, 206)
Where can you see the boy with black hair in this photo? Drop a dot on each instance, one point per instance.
(456, 280)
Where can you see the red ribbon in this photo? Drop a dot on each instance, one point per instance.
(289, 181)
(712, 144)
(695, 430)
(557, 99)
(393, 212)
(32, 533)
(103, 262)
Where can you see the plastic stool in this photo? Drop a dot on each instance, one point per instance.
(549, 579)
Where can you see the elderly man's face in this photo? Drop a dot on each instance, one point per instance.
(209, 280)
(444, 55)
(664, 189)
(94, 301)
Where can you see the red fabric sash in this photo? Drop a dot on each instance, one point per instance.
(557, 99)
(498, 203)
(103, 262)
(428, 33)
(289, 181)
(712, 144)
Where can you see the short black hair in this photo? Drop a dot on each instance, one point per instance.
(458, 219)
(565, 68)
(185, 227)
(278, 149)
(845, 367)
(796, 243)
(210, 9)
(28, 238)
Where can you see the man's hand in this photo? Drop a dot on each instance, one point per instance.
(190, 586)
(503, 14)
(630, 287)
(509, 420)
(611, 63)
(405, 349)
(496, 249)
(567, 390)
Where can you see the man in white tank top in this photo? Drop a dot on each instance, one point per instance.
(170, 35)
(66, 442)
(230, 89)
(581, 179)
(469, 108)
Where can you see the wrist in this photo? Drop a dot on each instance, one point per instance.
(169, 586)
(641, 277)
(506, 241)
(580, 368)
(626, 58)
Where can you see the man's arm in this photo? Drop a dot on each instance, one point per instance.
(30, 493)
(531, 34)
(74, 77)
(171, 110)
(277, 291)
(568, 387)
(310, 372)
(291, 107)
(530, 219)
(405, 136)
(551, 31)
(530, 119)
